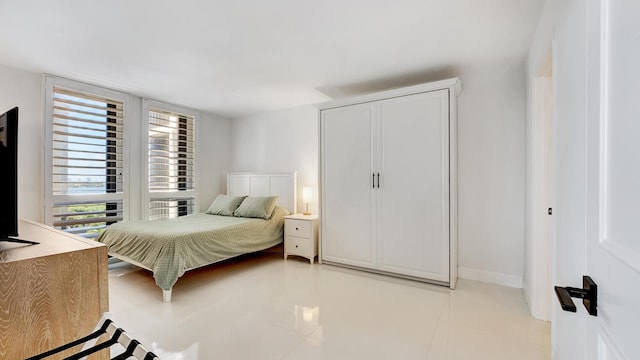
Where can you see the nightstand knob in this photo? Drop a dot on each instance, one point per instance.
(296, 245)
(297, 229)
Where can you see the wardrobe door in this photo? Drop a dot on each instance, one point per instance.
(413, 200)
(347, 185)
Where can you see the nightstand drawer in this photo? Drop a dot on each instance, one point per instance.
(298, 228)
(297, 246)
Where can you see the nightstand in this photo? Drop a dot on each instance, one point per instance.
(301, 236)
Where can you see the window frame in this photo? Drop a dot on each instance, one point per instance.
(50, 82)
(146, 194)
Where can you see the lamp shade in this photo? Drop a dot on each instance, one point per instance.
(307, 194)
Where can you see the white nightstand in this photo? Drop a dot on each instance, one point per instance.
(301, 236)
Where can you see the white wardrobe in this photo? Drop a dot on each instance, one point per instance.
(388, 182)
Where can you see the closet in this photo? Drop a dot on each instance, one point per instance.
(388, 182)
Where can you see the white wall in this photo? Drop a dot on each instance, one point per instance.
(491, 154)
(23, 89)
(285, 140)
(212, 155)
(537, 289)
(491, 164)
(563, 27)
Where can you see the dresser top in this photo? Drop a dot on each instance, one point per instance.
(51, 242)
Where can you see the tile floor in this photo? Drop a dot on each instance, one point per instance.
(262, 307)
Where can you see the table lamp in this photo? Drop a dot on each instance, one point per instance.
(307, 195)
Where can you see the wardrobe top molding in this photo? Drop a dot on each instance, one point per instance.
(453, 84)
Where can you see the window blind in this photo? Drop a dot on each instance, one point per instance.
(171, 164)
(171, 155)
(86, 218)
(169, 208)
(88, 160)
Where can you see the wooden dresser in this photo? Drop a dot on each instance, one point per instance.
(51, 293)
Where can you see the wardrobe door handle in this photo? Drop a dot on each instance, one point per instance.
(373, 180)
(378, 180)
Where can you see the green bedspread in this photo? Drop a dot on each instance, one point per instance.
(171, 247)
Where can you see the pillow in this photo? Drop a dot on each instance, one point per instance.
(257, 207)
(225, 205)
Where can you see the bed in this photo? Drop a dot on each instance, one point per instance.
(171, 247)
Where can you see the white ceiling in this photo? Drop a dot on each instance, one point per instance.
(235, 58)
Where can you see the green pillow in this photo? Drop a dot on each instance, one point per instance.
(257, 207)
(225, 205)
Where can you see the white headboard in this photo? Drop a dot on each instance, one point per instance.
(265, 184)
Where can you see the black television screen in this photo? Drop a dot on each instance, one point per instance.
(9, 169)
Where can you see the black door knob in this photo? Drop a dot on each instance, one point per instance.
(588, 294)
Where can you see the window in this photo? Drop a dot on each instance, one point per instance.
(85, 160)
(91, 165)
(171, 164)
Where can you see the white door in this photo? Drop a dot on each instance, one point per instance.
(347, 183)
(606, 154)
(613, 177)
(413, 196)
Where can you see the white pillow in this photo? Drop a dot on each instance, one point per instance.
(225, 205)
(257, 207)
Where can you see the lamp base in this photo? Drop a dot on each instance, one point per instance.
(306, 213)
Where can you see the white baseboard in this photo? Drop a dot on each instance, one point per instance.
(490, 277)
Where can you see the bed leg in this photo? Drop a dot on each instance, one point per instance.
(166, 295)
